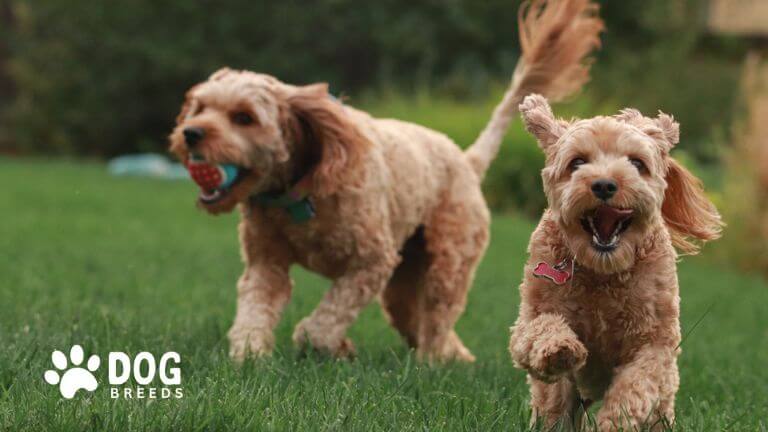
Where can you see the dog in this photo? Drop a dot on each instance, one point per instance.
(599, 313)
(386, 209)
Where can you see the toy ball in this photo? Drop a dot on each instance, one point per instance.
(211, 177)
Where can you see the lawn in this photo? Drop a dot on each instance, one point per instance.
(128, 264)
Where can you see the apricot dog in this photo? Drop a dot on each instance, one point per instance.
(384, 208)
(599, 317)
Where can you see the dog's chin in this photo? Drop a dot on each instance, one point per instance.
(618, 258)
(226, 199)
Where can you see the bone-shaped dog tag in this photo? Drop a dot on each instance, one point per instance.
(559, 274)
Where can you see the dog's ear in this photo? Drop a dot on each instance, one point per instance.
(669, 127)
(688, 213)
(341, 144)
(663, 128)
(540, 121)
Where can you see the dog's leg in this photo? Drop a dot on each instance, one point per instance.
(401, 300)
(325, 329)
(262, 292)
(555, 404)
(456, 237)
(642, 392)
(546, 347)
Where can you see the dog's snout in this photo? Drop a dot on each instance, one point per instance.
(193, 135)
(604, 188)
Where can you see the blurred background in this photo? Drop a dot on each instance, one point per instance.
(98, 79)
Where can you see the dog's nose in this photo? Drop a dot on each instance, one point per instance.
(604, 188)
(193, 135)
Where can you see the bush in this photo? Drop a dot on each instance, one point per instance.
(745, 242)
(103, 78)
(658, 55)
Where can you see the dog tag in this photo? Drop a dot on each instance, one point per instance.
(561, 273)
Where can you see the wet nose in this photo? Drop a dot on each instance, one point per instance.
(193, 135)
(604, 188)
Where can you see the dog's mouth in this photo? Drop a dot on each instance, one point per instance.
(216, 181)
(212, 196)
(606, 224)
(215, 195)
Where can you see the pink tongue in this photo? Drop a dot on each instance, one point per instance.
(607, 218)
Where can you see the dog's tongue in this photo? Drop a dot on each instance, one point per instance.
(607, 219)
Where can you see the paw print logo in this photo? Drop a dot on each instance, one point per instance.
(75, 377)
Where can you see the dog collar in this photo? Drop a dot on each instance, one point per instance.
(295, 201)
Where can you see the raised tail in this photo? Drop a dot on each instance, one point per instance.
(556, 36)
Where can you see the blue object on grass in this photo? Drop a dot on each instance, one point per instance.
(147, 165)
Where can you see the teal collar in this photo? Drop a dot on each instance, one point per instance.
(295, 201)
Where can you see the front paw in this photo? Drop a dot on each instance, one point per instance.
(247, 342)
(307, 334)
(551, 358)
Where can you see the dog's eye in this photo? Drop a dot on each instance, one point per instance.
(576, 163)
(242, 118)
(640, 165)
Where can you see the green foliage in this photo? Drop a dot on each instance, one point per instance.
(745, 241)
(658, 55)
(127, 264)
(102, 78)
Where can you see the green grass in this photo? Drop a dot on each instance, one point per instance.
(126, 264)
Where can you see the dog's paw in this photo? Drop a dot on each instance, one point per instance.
(452, 349)
(249, 342)
(306, 336)
(551, 359)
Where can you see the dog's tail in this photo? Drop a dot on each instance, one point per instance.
(556, 36)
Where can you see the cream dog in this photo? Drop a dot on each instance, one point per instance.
(599, 317)
(382, 207)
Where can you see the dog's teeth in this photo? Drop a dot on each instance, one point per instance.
(592, 223)
(210, 196)
(614, 239)
(595, 239)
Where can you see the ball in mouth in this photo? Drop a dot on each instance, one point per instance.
(215, 180)
(606, 224)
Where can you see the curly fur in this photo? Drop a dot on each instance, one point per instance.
(613, 331)
(400, 215)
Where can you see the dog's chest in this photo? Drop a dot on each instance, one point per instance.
(610, 319)
(325, 245)
(325, 251)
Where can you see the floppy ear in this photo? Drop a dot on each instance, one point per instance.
(687, 211)
(669, 128)
(341, 142)
(540, 121)
(665, 130)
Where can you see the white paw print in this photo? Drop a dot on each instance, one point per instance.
(75, 378)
